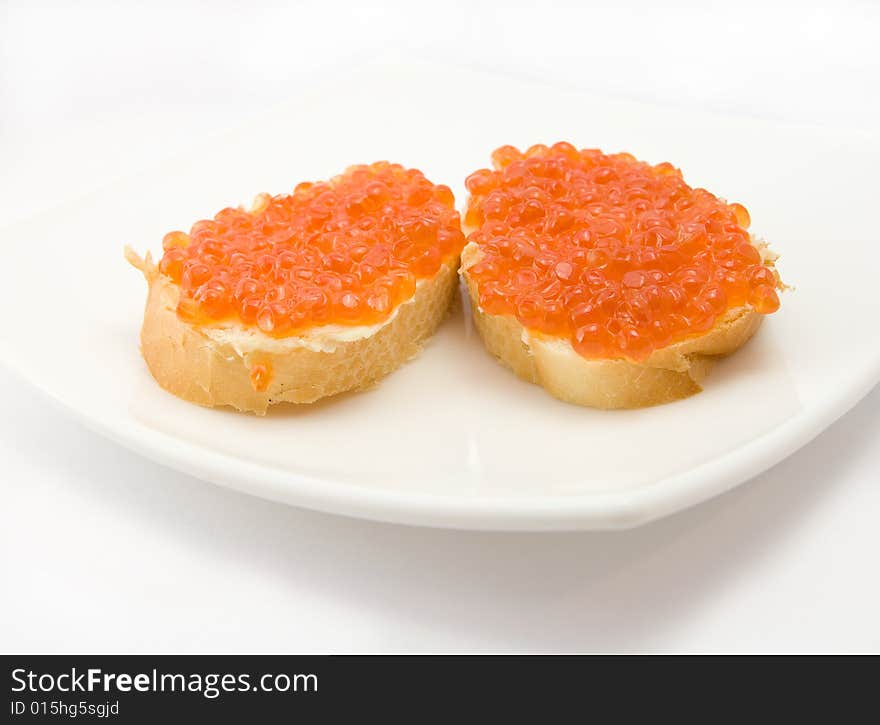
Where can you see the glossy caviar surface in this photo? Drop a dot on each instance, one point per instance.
(346, 251)
(620, 257)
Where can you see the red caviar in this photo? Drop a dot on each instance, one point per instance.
(620, 257)
(261, 376)
(346, 251)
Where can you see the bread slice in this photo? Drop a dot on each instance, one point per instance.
(218, 365)
(668, 374)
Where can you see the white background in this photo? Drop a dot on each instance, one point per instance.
(104, 551)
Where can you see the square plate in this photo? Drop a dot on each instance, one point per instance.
(452, 438)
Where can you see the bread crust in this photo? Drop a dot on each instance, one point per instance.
(188, 362)
(670, 373)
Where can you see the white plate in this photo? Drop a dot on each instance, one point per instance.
(453, 439)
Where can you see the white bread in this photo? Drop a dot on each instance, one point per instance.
(212, 366)
(670, 373)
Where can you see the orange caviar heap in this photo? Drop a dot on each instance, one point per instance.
(619, 256)
(346, 251)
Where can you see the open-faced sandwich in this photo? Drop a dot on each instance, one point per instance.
(303, 295)
(607, 280)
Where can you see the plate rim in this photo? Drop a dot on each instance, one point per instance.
(569, 512)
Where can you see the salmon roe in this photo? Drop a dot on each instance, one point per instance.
(620, 257)
(347, 251)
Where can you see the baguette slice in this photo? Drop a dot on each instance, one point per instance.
(553, 229)
(215, 366)
(303, 295)
(670, 373)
